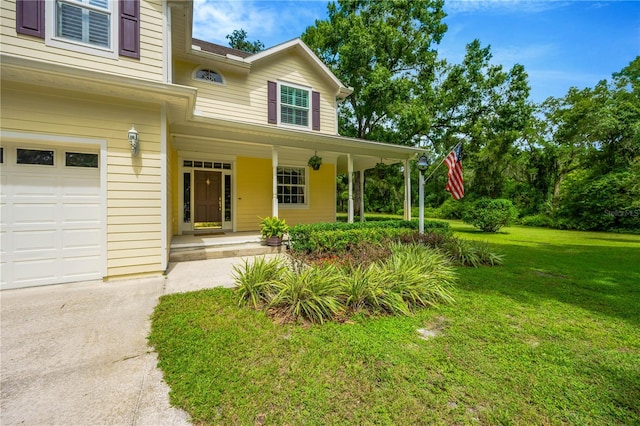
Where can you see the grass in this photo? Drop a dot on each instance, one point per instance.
(550, 337)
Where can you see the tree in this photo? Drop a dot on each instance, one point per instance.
(238, 40)
(381, 49)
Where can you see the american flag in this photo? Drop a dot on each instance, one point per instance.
(455, 184)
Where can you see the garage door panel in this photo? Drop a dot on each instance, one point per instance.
(78, 187)
(81, 213)
(35, 271)
(35, 241)
(81, 238)
(43, 185)
(84, 267)
(5, 214)
(35, 213)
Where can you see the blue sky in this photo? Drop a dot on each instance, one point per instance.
(560, 43)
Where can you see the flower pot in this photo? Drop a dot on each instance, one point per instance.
(274, 241)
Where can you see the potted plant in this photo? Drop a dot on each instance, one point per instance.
(315, 162)
(272, 229)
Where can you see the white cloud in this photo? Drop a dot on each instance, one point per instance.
(507, 6)
(271, 22)
(510, 55)
(213, 20)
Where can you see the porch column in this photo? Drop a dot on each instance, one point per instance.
(362, 195)
(274, 164)
(350, 171)
(407, 190)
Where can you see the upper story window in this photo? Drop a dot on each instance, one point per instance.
(294, 105)
(209, 75)
(84, 21)
(107, 28)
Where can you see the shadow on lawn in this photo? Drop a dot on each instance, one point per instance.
(604, 280)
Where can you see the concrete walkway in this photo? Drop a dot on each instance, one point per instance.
(76, 354)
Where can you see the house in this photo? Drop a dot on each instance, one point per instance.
(120, 131)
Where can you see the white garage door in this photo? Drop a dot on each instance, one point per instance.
(50, 215)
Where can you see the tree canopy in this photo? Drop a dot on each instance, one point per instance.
(238, 40)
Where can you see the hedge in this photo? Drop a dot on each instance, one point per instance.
(339, 236)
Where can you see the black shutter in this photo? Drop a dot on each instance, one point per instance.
(30, 17)
(130, 28)
(315, 110)
(272, 93)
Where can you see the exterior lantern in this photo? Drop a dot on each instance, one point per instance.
(133, 140)
(423, 163)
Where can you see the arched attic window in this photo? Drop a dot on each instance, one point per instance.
(207, 74)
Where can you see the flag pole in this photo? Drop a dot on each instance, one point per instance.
(442, 161)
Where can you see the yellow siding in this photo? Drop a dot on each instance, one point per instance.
(244, 98)
(253, 192)
(133, 183)
(149, 66)
(322, 199)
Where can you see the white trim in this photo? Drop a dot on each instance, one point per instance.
(164, 243)
(214, 158)
(167, 72)
(52, 40)
(309, 91)
(19, 137)
(274, 184)
(343, 91)
(350, 171)
(307, 185)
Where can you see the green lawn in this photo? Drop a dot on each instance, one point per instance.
(550, 337)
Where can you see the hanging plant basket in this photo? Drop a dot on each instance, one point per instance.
(315, 162)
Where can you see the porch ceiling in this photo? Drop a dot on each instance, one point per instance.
(199, 133)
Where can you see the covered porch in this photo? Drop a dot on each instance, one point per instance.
(251, 158)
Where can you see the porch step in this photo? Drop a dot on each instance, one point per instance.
(185, 254)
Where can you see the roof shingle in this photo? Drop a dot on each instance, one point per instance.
(219, 49)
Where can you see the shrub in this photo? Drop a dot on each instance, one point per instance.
(538, 220)
(489, 215)
(597, 202)
(452, 209)
(312, 293)
(255, 280)
(340, 236)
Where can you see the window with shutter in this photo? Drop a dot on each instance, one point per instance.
(293, 105)
(99, 27)
(130, 28)
(30, 17)
(84, 21)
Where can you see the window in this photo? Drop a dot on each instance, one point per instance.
(1, 155)
(186, 192)
(77, 159)
(209, 75)
(292, 187)
(34, 156)
(294, 106)
(84, 21)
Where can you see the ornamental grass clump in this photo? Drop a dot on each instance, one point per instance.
(255, 280)
(420, 276)
(312, 294)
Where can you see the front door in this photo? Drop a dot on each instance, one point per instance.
(207, 199)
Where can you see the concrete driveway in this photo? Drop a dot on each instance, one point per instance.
(76, 354)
